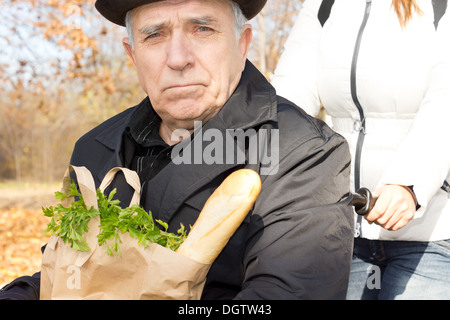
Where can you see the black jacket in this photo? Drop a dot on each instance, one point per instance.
(297, 241)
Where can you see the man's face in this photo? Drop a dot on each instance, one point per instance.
(187, 57)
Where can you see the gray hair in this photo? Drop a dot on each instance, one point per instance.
(239, 21)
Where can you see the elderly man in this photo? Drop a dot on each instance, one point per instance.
(191, 60)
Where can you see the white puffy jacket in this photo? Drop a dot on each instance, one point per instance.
(402, 80)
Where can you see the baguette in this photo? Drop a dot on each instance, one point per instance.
(221, 215)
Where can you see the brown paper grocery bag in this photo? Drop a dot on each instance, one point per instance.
(139, 273)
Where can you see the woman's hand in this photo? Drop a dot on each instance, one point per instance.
(394, 208)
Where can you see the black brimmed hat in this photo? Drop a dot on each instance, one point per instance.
(116, 10)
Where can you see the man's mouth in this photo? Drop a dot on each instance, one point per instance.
(180, 86)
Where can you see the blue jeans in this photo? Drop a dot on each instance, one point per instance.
(388, 270)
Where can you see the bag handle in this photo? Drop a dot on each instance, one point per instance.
(86, 185)
(132, 179)
(87, 188)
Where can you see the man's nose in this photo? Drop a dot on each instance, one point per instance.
(179, 52)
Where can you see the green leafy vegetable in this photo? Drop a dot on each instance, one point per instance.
(70, 223)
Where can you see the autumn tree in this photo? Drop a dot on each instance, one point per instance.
(272, 27)
(64, 72)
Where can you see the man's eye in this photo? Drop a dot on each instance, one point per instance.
(204, 29)
(153, 35)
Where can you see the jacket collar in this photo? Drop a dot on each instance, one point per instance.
(253, 102)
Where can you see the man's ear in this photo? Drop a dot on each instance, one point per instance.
(129, 49)
(245, 41)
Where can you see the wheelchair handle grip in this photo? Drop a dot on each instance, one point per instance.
(363, 201)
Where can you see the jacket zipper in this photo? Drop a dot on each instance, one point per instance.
(360, 125)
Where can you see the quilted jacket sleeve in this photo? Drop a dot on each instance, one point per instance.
(423, 159)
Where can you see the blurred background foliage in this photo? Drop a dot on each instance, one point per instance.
(63, 70)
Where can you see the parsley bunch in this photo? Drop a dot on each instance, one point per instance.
(70, 223)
